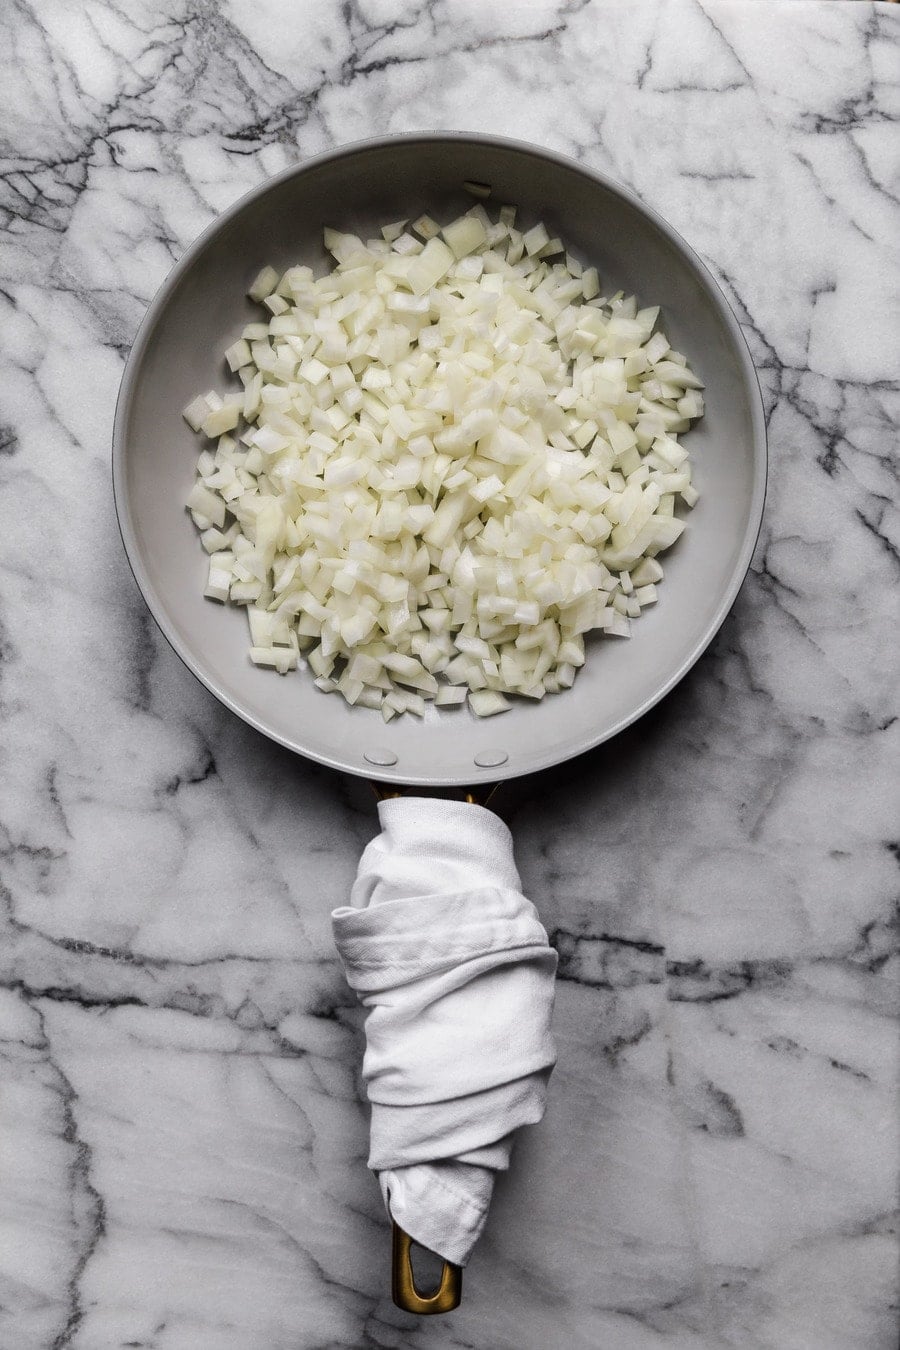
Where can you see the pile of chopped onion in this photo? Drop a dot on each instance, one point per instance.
(452, 458)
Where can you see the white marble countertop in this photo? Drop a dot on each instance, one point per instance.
(182, 1133)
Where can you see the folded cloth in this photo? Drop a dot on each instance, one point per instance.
(455, 968)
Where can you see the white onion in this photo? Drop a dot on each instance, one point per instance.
(451, 459)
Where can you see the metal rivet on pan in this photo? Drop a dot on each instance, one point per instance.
(380, 756)
(491, 759)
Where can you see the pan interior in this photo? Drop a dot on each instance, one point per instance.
(202, 308)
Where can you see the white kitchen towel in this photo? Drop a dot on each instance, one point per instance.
(455, 968)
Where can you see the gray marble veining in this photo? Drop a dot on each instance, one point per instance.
(182, 1128)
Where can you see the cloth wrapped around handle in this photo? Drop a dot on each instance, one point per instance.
(456, 971)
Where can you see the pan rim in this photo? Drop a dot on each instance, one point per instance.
(129, 383)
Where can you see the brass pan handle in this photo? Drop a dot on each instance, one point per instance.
(448, 1294)
(479, 796)
(403, 1285)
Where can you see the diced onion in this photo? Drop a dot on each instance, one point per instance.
(449, 461)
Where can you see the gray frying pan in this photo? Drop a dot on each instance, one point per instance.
(202, 307)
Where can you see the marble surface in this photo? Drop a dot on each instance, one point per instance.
(182, 1132)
